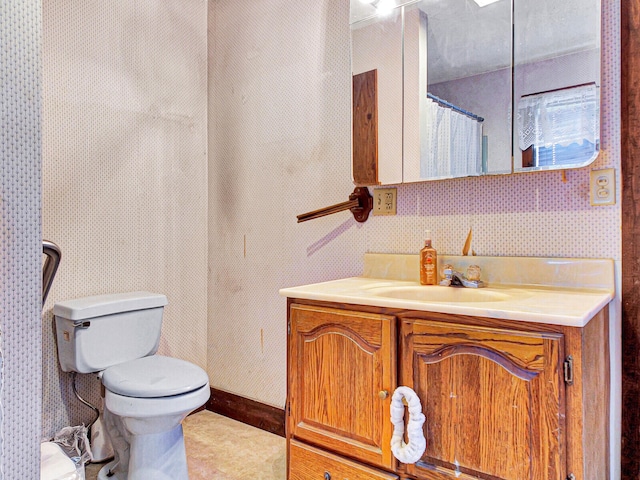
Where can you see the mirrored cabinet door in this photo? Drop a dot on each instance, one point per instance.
(376, 52)
(556, 83)
(457, 89)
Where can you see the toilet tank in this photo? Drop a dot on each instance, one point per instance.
(94, 333)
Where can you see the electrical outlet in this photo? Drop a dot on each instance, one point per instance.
(603, 187)
(384, 201)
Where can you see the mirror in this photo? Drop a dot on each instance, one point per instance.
(464, 120)
(510, 86)
(376, 63)
(556, 84)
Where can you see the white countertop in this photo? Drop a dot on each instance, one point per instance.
(570, 304)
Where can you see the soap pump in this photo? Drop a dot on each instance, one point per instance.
(428, 262)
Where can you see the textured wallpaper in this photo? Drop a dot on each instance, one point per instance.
(279, 138)
(20, 247)
(124, 169)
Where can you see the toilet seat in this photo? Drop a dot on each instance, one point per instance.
(142, 408)
(154, 376)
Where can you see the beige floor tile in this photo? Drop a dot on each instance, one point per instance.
(219, 448)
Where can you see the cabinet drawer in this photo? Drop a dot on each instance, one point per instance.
(309, 463)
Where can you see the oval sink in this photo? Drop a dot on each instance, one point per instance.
(442, 294)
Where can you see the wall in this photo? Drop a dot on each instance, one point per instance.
(279, 136)
(377, 45)
(279, 93)
(124, 169)
(20, 247)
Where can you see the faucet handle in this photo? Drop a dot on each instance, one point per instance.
(473, 273)
(447, 270)
(446, 274)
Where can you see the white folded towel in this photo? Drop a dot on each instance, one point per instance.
(411, 452)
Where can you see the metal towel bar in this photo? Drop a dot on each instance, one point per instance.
(50, 267)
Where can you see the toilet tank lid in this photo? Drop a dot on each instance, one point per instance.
(99, 305)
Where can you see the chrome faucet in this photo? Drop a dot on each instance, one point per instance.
(453, 278)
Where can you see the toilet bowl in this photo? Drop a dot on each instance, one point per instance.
(147, 396)
(145, 402)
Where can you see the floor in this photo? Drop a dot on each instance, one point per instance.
(219, 448)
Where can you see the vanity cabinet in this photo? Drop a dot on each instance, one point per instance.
(503, 399)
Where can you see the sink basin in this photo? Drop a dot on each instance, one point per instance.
(442, 294)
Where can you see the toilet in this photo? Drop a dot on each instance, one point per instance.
(146, 395)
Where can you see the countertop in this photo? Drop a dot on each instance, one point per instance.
(576, 289)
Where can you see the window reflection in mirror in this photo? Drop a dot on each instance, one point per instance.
(559, 128)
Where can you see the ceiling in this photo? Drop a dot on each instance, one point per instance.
(465, 39)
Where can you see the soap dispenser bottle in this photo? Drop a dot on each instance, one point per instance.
(428, 262)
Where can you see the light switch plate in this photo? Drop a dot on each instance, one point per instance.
(603, 187)
(384, 201)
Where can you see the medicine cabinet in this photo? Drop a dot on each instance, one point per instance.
(457, 88)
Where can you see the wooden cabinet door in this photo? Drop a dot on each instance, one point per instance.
(493, 400)
(339, 363)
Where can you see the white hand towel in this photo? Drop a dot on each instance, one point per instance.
(411, 452)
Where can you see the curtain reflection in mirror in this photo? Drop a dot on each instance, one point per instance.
(451, 143)
(559, 127)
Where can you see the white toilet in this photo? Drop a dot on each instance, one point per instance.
(146, 396)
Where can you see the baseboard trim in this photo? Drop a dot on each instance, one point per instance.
(256, 414)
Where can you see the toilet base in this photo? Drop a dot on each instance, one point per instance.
(103, 474)
(157, 456)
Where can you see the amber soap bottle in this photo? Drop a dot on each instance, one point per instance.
(428, 262)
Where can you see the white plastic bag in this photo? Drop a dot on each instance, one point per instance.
(74, 441)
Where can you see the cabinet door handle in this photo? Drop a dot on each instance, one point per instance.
(327, 476)
(384, 394)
